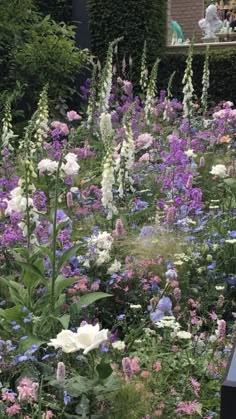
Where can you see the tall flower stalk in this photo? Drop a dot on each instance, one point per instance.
(188, 86)
(151, 89)
(144, 70)
(92, 97)
(205, 81)
(7, 132)
(108, 180)
(35, 132)
(168, 97)
(125, 162)
(106, 78)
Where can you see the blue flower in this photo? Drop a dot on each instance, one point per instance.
(120, 317)
(67, 398)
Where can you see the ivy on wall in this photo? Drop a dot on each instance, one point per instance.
(135, 20)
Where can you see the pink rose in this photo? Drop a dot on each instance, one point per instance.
(73, 116)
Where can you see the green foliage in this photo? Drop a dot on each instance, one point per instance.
(130, 401)
(36, 51)
(222, 74)
(59, 10)
(136, 22)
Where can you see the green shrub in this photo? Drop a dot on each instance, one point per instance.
(222, 73)
(132, 19)
(35, 51)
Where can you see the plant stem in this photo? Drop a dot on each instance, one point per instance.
(54, 236)
(27, 210)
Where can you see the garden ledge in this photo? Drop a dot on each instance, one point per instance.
(176, 49)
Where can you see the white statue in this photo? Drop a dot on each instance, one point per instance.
(211, 24)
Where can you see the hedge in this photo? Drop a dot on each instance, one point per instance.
(59, 10)
(135, 20)
(222, 73)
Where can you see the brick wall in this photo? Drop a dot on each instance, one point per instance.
(187, 13)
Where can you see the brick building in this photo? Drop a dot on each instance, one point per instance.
(187, 13)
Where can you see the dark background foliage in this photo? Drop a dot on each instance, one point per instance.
(59, 10)
(35, 50)
(135, 20)
(222, 73)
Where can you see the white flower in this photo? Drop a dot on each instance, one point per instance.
(106, 126)
(190, 153)
(115, 267)
(71, 168)
(119, 345)
(18, 202)
(219, 287)
(212, 338)
(184, 335)
(71, 156)
(47, 165)
(89, 337)
(219, 170)
(65, 341)
(135, 306)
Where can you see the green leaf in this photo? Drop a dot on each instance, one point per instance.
(230, 182)
(32, 268)
(66, 256)
(13, 313)
(88, 299)
(104, 370)
(64, 320)
(17, 293)
(61, 283)
(47, 251)
(31, 340)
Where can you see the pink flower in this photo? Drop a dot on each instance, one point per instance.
(187, 407)
(221, 328)
(26, 389)
(130, 366)
(61, 371)
(95, 286)
(157, 366)
(195, 385)
(145, 374)
(144, 157)
(8, 396)
(61, 127)
(73, 116)
(119, 228)
(213, 315)
(13, 410)
(144, 141)
(48, 415)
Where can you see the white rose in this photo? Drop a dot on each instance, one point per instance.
(219, 170)
(47, 165)
(65, 341)
(89, 337)
(71, 156)
(184, 335)
(71, 168)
